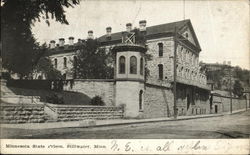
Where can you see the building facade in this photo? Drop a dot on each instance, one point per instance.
(143, 85)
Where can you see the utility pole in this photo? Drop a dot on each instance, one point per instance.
(230, 78)
(175, 47)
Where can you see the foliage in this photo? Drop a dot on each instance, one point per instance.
(216, 76)
(55, 99)
(6, 75)
(45, 66)
(93, 62)
(18, 43)
(243, 75)
(237, 88)
(97, 100)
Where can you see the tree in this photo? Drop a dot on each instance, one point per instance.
(93, 62)
(237, 88)
(17, 17)
(45, 66)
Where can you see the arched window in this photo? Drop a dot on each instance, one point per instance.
(160, 46)
(75, 61)
(140, 99)
(65, 62)
(141, 66)
(191, 57)
(160, 69)
(122, 65)
(186, 35)
(55, 61)
(133, 65)
(187, 55)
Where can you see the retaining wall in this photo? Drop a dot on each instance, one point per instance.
(22, 113)
(92, 87)
(76, 113)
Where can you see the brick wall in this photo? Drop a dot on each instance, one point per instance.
(103, 88)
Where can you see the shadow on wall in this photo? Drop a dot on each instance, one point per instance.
(166, 101)
(71, 98)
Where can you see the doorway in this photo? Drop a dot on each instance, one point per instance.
(216, 109)
(188, 101)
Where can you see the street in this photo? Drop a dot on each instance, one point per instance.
(228, 126)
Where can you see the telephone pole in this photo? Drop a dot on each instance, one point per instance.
(174, 88)
(230, 78)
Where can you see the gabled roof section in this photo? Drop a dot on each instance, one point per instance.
(154, 32)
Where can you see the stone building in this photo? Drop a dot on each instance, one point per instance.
(145, 86)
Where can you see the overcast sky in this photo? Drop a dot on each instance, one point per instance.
(221, 26)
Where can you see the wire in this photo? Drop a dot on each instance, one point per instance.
(183, 9)
(137, 14)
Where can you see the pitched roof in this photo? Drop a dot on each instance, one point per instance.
(153, 30)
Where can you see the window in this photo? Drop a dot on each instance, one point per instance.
(194, 60)
(160, 69)
(75, 67)
(187, 56)
(55, 61)
(133, 65)
(140, 99)
(184, 54)
(186, 35)
(160, 46)
(141, 66)
(191, 57)
(65, 62)
(64, 76)
(75, 61)
(122, 65)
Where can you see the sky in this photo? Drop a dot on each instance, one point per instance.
(221, 26)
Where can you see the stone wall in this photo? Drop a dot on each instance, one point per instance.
(22, 113)
(127, 93)
(76, 113)
(101, 87)
(223, 104)
(158, 102)
(200, 107)
(165, 60)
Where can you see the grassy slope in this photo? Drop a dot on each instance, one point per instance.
(73, 98)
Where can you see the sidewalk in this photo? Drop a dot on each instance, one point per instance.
(99, 123)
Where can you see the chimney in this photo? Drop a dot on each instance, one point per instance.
(52, 44)
(90, 34)
(142, 25)
(61, 42)
(71, 40)
(128, 27)
(108, 31)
